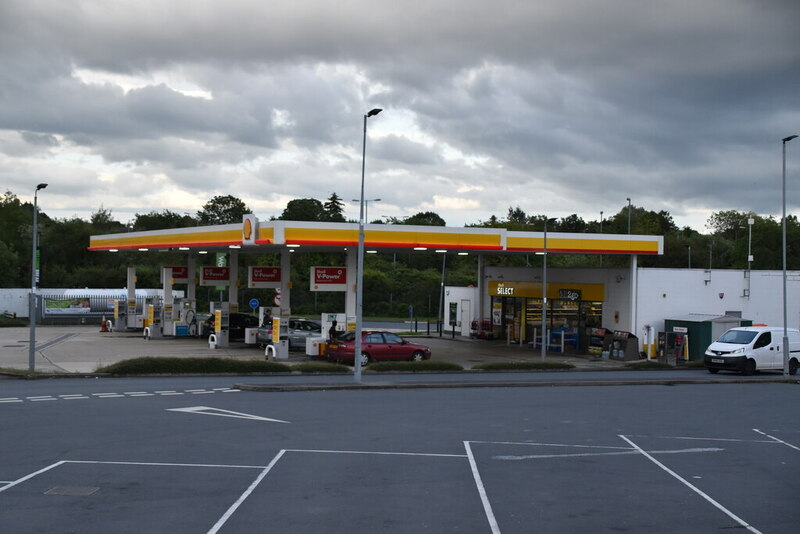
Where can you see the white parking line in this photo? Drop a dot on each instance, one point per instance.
(10, 400)
(487, 507)
(695, 489)
(777, 440)
(378, 453)
(222, 520)
(28, 477)
(615, 453)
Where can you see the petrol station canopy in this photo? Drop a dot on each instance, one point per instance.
(257, 236)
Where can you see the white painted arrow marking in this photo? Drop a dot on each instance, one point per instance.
(206, 410)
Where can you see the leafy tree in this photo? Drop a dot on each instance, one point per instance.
(304, 209)
(223, 210)
(572, 223)
(156, 220)
(334, 209)
(103, 223)
(425, 218)
(9, 266)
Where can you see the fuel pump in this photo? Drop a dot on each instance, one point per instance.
(279, 349)
(185, 317)
(154, 320)
(219, 337)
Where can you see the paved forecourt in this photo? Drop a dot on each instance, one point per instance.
(191, 455)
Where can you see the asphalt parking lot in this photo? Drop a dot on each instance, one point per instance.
(193, 454)
(82, 349)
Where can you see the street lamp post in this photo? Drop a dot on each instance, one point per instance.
(750, 223)
(366, 206)
(34, 281)
(601, 231)
(360, 267)
(785, 333)
(629, 215)
(544, 292)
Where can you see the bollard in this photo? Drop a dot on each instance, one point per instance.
(212, 341)
(269, 353)
(147, 333)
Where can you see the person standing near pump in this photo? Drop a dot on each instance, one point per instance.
(332, 333)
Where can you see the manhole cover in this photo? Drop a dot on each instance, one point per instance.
(72, 491)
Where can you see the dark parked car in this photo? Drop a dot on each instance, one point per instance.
(237, 322)
(299, 330)
(376, 346)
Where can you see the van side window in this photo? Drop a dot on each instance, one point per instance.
(763, 340)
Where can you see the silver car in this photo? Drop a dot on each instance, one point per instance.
(299, 330)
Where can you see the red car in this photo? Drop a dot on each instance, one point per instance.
(376, 346)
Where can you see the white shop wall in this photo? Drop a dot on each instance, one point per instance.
(670, 293)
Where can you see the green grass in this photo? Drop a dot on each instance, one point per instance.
(320, 367)
(645, 365)
(413, 366)
(154, 365)
(11, 321)
(523, 366)
(20, 372)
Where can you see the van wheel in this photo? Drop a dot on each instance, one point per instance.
(713, 370)
(793, 366)
(749, 367)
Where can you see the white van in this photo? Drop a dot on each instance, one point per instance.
(748, 349)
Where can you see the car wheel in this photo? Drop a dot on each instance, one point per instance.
(417, 356)
(365, 359)
(749, 367)
(713, 371)
(793, 366)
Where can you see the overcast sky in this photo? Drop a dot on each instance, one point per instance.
(558, 107)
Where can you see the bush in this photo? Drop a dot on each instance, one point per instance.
(320, 367)
(156, 366)
(414, 366)
(523, 366)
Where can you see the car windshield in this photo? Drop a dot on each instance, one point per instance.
(738, 337)
(347, 336)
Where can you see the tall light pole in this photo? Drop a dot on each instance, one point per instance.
(360, 268)
(34, 281)
(785, 320)
(629, 214)
(366, 206)
(750, 223)
(601, 231)
(544, 292)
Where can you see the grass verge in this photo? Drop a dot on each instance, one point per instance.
(320, 367)
(645, 365)
(11, 321)
(523, 366)
(156, 366)
(414, 366)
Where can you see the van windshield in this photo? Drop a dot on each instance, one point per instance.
(739, 337)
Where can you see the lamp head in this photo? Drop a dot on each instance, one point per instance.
(41, 186)
(787, 139)
(373, 112)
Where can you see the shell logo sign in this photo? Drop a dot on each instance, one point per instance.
(328, 279)
(249, 229)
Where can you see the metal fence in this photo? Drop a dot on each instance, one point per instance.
(82, 309)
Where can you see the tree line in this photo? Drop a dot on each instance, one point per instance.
(393, 282)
